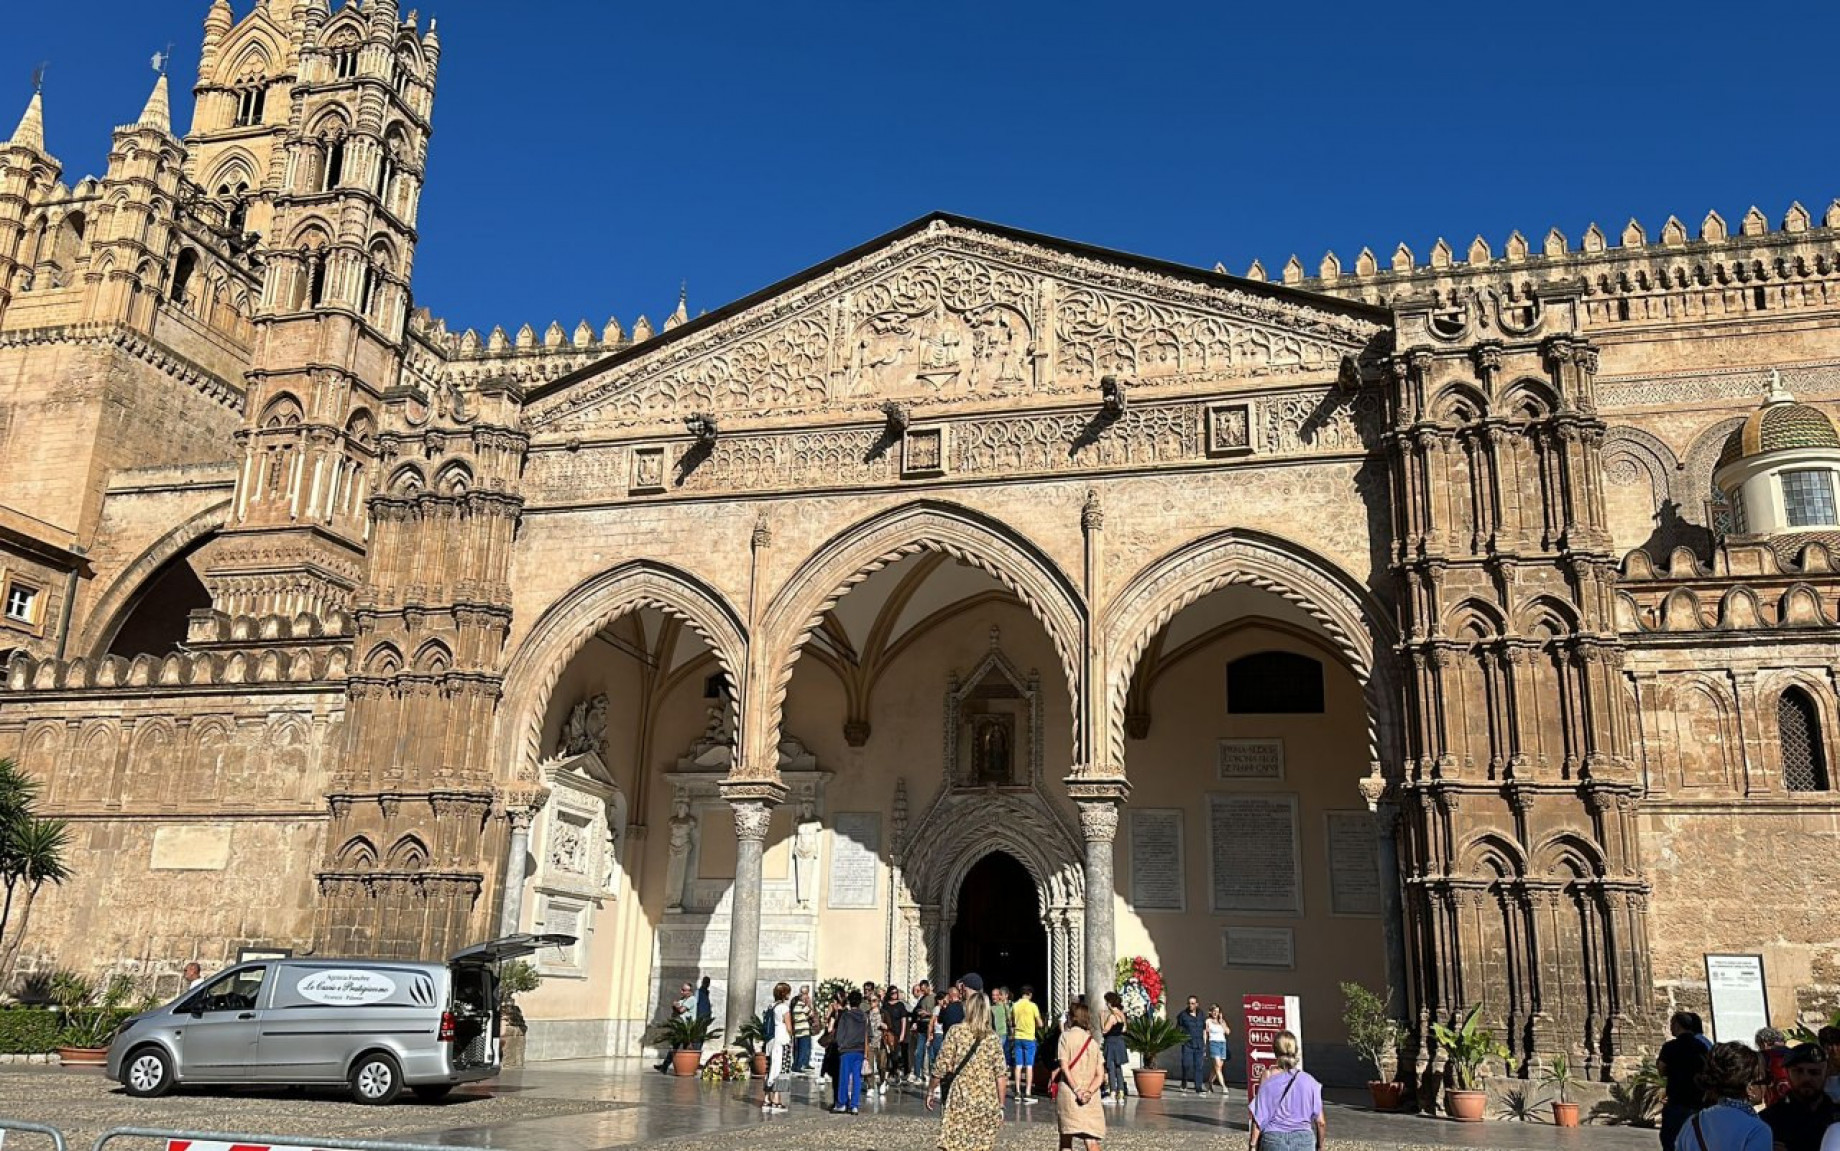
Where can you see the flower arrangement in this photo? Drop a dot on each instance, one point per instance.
(829, 988)
(1140, 985)
(725, 1066)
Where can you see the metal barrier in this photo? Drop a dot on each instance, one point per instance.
(51, 1133)
(242, 1139)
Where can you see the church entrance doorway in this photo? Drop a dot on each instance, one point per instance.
(998, 932)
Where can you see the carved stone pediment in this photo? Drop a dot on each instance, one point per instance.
(949, 312)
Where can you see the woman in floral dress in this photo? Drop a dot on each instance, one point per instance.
(974, 1109)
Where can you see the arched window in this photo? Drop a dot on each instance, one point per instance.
(1275, 683)
(335, 163)
(1798, 728)
(345, 63)
(367, 289)
(250, 102)
(183, 268)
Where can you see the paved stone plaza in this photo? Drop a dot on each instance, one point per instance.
(581, 1106)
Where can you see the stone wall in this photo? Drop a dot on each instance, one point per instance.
(194, 787)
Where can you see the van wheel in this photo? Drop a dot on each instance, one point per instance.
(376, 1079)
(147, 1073)
(432, 1091)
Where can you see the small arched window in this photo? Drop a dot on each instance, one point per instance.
(1798, 728)
(250, 104)
(1275, 683)
(335, 164)
(345, 63)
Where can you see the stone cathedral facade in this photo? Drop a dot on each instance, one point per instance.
(1464, 624)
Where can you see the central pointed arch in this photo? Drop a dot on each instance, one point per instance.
(1351, 619)
(858, 552)
(567, 626)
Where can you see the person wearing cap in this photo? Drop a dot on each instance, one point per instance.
(1799, 1120)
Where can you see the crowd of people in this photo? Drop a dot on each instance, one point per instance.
(1773, 1096)
(969, 1050)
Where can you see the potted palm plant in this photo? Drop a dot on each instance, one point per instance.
(1149, 1036)
(753, 1039)
(1374, 1034)
(1467, 1046)
(89, 1014)
(686, 1034)
(1557, 1074)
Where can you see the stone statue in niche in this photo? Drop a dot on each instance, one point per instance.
(683, 842)
(993, 743)
(805, 856)
(585, 729)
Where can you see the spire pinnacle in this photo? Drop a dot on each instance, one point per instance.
(158, 112)
(31, 130)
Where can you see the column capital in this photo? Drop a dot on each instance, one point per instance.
(1099, 820)
(752, 818)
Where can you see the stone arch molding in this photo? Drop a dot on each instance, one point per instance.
(1351, 619)
(859, 552)
(113, 609)
(567, 626)
(964, 829)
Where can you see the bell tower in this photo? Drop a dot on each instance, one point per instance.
(340, 196)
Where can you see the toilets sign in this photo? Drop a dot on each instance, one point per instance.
(1266, 1015)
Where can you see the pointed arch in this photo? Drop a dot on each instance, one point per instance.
(567, 625)
(357, 854)
(1354, 622)
(284, 411)
(123, 594)
(858, 552)
(1528, 399)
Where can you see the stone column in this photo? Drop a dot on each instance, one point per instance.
(1099, 806)
(511, 911)
(753, 808)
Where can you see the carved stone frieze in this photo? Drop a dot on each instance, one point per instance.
(952, 313)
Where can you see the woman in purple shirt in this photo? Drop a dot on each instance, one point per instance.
(1287, 1113)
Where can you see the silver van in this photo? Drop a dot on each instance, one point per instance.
(375, 1025)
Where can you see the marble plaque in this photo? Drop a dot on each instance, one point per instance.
(1261, 759)
(191, 847)
(1274, 947)
(1254, 867)
(856, 849)
(1156, 860)
(1354, 866)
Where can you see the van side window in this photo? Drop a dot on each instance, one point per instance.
(236, 991)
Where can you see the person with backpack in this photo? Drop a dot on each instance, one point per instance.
(776, 1031)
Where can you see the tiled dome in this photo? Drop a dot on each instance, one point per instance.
(1779, 425)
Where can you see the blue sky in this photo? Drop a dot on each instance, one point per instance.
(588, 156)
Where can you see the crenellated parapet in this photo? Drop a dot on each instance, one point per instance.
(1775, 587)
(525, 357)
(246, 666)
(1626, 278)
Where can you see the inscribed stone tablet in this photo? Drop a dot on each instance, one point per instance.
(1258, 947)
(1156, 860)
(190, 847)
(1354, 868)
(1252, 854)
(1251, 759)
(856, 848)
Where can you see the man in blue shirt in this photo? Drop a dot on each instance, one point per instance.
(1194, 1051)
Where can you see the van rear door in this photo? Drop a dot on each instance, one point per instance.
(472, 1012)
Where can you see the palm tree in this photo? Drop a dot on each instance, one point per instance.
(36, 856)
(18, 791)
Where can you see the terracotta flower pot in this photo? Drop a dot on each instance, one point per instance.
(1565, 1114)
(759, 1066)
(83, 1056)
(1387, 1094)
(686, 1061)
(1149, 1081)
(1466, 1106)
